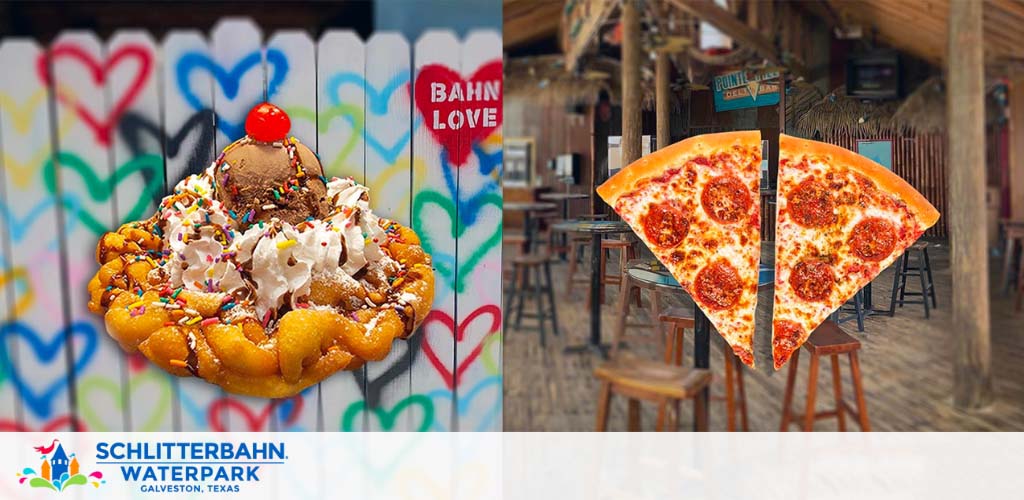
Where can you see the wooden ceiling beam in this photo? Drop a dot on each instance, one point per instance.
(729, 24)
(526, 22)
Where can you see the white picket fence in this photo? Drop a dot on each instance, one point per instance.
(92, 134)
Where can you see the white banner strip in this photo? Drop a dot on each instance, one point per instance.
(513, 466)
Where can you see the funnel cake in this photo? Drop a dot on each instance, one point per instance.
(261, 275)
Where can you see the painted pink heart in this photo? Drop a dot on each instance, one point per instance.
(450, 379)
(63, 422)
(102, 127)
(457, 123)
(253, 422)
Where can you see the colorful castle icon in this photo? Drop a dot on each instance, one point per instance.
(57, 465)
(58, 471)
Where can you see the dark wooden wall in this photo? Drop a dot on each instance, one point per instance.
(920, 159)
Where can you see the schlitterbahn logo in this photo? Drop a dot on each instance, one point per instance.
(58, 470)
(190, 467)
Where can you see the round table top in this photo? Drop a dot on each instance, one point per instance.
(592, 226)
(529, 206)
(659, 276)
(563, 196)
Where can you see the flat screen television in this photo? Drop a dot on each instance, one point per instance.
(875, 75)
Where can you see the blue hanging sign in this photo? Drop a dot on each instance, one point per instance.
(746, 89)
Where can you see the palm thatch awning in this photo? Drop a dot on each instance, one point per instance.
(837, 114)
(924, 110)
(544, 80)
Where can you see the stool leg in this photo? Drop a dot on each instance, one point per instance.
(837, 391)
(672, 421)
(903, 281)
(699, 413)
(510, 294)
(895, 285)
(634, 415)
(604, 401)
(858, 309)
(656, 314)
(573, 257)
(524, 282)
(679, 346)
(730, 402)
(620, 322)
(924, 290)
(538, 296)
(812, 392)
(743, 393)
(787, 398)
(931, 282)
(858, 390)
(550, 287)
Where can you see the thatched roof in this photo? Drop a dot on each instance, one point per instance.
(837, 114)
(544, 80)
(799, 98)
(924, 110)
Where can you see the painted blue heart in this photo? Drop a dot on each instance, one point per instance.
(470, 208)
(230, 82)
(18, 227)
(41, 403)
(465, 401)
(376, 101)
(284, 410)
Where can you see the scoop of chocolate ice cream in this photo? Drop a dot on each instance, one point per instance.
(263, 180)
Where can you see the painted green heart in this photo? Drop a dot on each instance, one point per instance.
(101, 189)
(388, 418)
(445, 263)
(150, 379)
(338, 166)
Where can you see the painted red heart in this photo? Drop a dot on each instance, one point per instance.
(253, 422)
(63, 422)
(445, 319)
(137, 362)
(103, 128)
(440, 116)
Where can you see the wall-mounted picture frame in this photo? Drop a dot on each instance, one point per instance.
(879, 151)
(519, 160)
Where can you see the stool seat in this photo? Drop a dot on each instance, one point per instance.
(531, 260)
(609, 243)
(677, 316)
(653, 378)
(828, 339)
(513, 239)
(919, 245)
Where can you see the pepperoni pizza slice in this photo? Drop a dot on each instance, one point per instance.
(696, 205)
(842, 219)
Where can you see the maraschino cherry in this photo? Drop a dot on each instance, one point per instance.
(267, 123)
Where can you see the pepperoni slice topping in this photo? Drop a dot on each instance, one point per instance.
(725, 199)
(812, 280)
(810, 204)
(785, 337)
(873, 239)
(665, 224)
(718, 285)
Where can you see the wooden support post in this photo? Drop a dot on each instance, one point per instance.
(1016, 143)
(662, 98)
(965, 103)
(631, 64)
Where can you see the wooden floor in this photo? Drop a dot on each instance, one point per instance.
(906, 360)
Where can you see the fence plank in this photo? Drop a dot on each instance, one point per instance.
(296, 94)
(36, 376)
(189, 129)
(434, 219)
(341, 146)
(149, 391)
(477, 373)
(83, 167)
(389, 173)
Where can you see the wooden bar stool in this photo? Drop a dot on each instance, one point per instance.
(827, 340)
(578, 244)
(922, 269)
(648, 380)
(627, 252)
(519, 289)
(680, 320)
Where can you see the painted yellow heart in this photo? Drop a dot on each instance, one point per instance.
(340, 164)
(378, 184)
(22, 288)
(23, 173)
(149, 381)
(23, 115)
